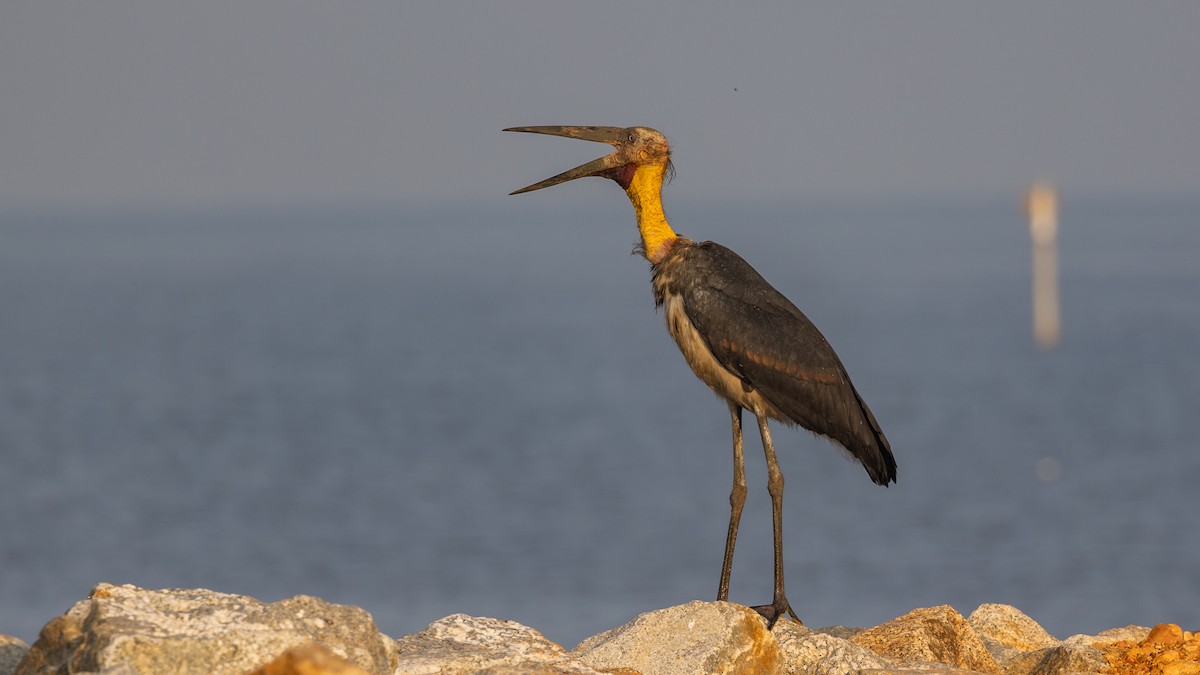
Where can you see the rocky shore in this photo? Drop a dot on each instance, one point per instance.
(133, 631)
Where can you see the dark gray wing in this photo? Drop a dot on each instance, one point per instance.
(760, 336)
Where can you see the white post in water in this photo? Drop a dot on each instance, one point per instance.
(1042, 204)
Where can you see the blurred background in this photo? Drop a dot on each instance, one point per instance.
(270, 324)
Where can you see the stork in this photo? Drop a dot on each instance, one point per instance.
(740, 336)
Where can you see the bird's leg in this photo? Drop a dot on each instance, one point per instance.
(737, 498)
(779, 604)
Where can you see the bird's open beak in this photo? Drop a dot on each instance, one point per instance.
(614, 136)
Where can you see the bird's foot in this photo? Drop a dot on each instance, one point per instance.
(776, 609)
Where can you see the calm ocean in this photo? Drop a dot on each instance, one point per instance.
(425, 413)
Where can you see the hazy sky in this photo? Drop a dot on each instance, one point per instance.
(129, 103)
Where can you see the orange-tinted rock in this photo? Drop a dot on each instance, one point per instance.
(309, 660)
(1166, 634)
(1166, 649)
(937, 634)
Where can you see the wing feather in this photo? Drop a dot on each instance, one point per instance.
(757, 334)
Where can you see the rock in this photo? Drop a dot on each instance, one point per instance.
(1008, 634)
(698, 637)
(809, 652)
(125, 630)
(937, 634)
(1058, 660)
(132, 630)
(1133, 633)
(12, 651)
(309, 660)
(844, 632)
(1165, 634)
(916, 668)
(1166, 649)
(1001, 654)
(1010, 627)
(1076, 654)
(467, 644)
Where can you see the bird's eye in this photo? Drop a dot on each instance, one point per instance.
(632, 137)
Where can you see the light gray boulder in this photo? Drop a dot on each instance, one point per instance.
(467, 644)
(12, 651)
(817, 653)
(134, 631)
(697, 637)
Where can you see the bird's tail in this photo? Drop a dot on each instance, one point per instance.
(871, 447)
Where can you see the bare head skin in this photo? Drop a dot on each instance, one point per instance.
(635, 146)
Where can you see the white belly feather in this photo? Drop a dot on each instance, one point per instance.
(705, 365)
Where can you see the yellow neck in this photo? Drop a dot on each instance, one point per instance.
(645, 191)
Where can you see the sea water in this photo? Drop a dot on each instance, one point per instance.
(430, 411)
